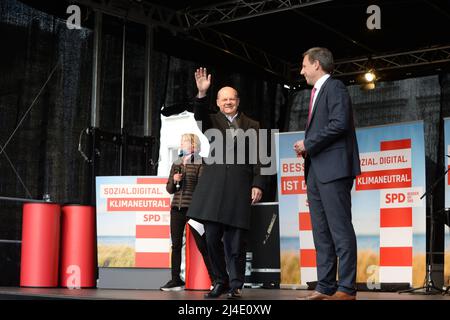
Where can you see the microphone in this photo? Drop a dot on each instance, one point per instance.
(177, 185)
(178, 169)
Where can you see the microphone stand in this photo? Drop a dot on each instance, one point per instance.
(429, 287)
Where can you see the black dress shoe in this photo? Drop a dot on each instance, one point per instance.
(234, 294)
(217, 291)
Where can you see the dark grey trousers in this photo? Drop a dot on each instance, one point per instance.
(333, 233)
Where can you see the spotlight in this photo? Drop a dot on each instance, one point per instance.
(368, 86)
(370, 76)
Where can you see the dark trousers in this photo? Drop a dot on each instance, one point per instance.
(333, 233)
(178, 222)
(226, 249)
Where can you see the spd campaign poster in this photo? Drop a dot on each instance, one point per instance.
(447, 200)
(133, 222)
(387, 212)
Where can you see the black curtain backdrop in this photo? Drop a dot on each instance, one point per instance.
(44, 152)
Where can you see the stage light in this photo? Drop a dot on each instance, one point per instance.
(370, 76)
(368, 80)
(368, 86)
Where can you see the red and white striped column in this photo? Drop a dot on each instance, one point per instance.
(448, 165)
(153, 244)
(308, 264)
(396, 223)
(396, 244)
(293, 183)
(389, 170)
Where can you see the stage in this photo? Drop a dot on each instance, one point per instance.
(17, 293)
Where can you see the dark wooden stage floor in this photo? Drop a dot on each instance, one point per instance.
(248, 294)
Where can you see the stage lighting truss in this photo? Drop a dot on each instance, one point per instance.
(193, 23)
(421, 57)
(241, 9)
(434, 56)
(242, 51)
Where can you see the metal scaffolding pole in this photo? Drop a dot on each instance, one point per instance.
(96, 71)
(148, 94)
(122, 148)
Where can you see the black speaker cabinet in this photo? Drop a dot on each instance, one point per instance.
(263, 247)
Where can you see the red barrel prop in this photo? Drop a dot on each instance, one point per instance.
(78, 251)
(40, 245)
(197, 277)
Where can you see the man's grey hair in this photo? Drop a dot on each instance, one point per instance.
(323, 55)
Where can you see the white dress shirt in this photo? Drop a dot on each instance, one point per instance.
(231, 118)
(318, 85)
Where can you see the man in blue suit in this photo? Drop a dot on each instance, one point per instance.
(331, 158)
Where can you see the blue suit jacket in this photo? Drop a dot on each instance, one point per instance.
(330, 138)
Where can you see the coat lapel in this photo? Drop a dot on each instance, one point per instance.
(318, 99)
(242, 121)
(223, 121)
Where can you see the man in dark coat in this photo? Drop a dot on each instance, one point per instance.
(230, 183)
(331, 157)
